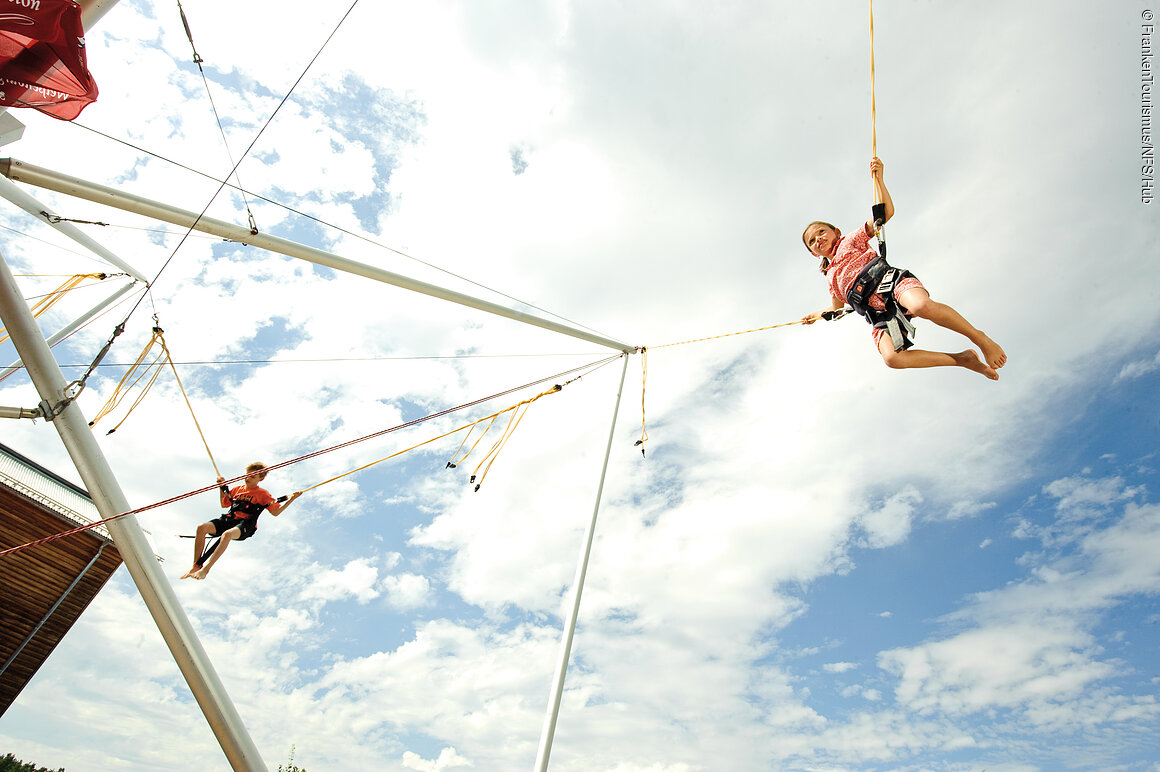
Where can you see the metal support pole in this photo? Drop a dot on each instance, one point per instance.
(98, 477)
(549, 730)
(93, 10)
(28, 203)
(69, 329)
(90, 191)
(19, 412)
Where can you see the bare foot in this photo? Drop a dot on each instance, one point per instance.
(189, 574)
(201, 573)
(996, 357)
(970, 360)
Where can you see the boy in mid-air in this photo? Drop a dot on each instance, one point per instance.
(245, 503)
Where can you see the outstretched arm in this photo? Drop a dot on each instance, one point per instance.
(836, 304)
(881, 194)
(277, 509)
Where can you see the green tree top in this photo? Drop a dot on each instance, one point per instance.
(10, 763)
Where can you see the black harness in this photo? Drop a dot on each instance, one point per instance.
(240, 510)
(244, 509)
(879, 278)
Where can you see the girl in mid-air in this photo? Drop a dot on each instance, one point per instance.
(854, 272)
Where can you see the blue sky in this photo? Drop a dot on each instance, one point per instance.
(821, 564)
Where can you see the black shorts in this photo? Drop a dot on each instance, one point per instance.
(224, 523)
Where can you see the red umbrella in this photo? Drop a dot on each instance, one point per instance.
(42, 58)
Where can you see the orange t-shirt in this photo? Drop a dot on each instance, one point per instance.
(249, 502)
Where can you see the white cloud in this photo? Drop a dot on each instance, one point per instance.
(1029, 647)
(407, 591)
(890, 524)
(1080, 498)
(447, 759)
(356, 580)
(1000, 667)
(1139, 368)
(838, 667)
(963, 509)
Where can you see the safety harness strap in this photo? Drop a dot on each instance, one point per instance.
(243, 509)
(900, 329)
(879, 278)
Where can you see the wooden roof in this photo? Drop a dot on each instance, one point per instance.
(43, 589)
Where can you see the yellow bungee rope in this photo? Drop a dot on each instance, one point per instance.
(152, 370)
(517, 412)
(48, 301)
(873, 105)
(644, 366)
(129, 381)
(176, 377)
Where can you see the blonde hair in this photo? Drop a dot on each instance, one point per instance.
(257, 466)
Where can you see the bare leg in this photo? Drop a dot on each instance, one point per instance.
(203, 530)
(917, 301)
(227, 537)
(921, 358)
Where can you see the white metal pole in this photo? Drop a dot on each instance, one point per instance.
(549, 730)
(29, 204)
(93, 10)
(90, 191)
(98, 477)
(67, 330)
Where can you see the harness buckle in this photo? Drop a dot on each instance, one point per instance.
(880, 278)
(886, 286)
